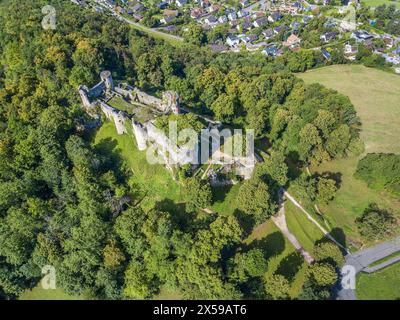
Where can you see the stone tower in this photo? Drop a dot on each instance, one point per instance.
(84, 93)
(107, 79)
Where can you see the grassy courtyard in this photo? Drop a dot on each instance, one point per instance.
(376, 97)
(154, 180)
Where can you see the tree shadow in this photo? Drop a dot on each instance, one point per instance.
(292, 161)
(290, 265)
(178, 212)
(272, 245)
(111, 156)
(219, 193)
(246, 222)
(338, 234)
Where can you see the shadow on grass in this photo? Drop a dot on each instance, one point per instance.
(290, 265)
(219, 193)
(111, 155)
(337, 234)
(245, 221)
(272, 245)
(178, 212)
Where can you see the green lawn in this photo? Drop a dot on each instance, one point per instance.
(305, 231)
(225, 199)
(376, 97)
(375, 3)
(38, 293)
(381, 285)
(282, 256)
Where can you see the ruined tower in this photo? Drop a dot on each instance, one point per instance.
(84, 94)
(107, 79)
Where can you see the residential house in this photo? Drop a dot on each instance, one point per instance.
(223, 19)
(250, 38)
(292, 41)
(196, 13)
(274, 17)
(232, 16)
(245, 26)
(162, 5)
(213, 8)
(211, 21)
(392, 58)
(268, 34)
(138, 7)
(243, 13)
(232, 41)
(361, 36)
(306, 19)
(388, 40)
(261, 22)
(271, 51)
(328, 36)
(326, 54)
(280, 29)
(350, 51)
(180, 3)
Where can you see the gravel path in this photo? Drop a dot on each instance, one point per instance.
(280, 222)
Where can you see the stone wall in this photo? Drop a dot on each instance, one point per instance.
(115, 115)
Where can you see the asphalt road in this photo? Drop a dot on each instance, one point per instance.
(362, 259)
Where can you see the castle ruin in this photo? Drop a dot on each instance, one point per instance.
(100, 98)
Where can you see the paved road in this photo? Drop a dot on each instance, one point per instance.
(362, 259)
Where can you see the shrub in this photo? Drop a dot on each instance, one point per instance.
(376, 223)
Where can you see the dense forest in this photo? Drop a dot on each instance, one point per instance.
(65, 203)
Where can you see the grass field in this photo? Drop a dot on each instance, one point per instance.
(375, 3)
(38, 293)
(381, 285)
(376, 97)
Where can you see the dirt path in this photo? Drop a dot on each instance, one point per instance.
(280, 222)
